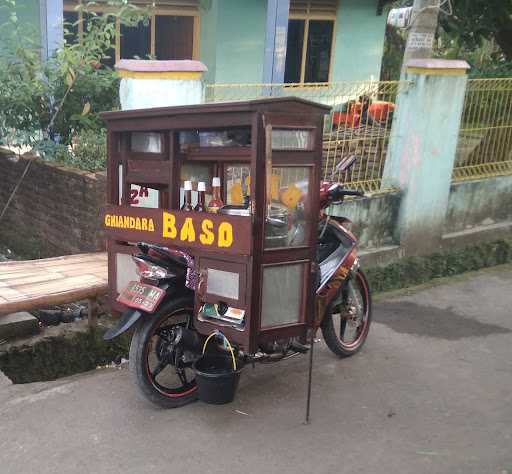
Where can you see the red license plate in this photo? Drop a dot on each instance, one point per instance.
(141, 296)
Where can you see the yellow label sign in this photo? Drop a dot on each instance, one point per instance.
(188, 230)
(205, 232)
(130, 223)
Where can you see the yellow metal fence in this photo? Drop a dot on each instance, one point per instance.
(485, 139)
(359, 123)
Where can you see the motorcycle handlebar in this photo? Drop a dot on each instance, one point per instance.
(339, 193)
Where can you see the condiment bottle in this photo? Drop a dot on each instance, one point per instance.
(216, 202)
(187, 204)
(201, 188)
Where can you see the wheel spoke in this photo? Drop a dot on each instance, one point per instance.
(182, 375)
(161, 366)
(343, 326)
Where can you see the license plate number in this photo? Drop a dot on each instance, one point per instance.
(141, 296)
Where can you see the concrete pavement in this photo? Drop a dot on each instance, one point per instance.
(430, 393)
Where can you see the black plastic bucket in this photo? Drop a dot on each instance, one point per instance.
(216, 379)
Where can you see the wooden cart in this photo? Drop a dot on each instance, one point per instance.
(266, 152)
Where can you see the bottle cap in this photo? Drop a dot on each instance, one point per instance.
(188, 186)
(201, 186)
(216, 182)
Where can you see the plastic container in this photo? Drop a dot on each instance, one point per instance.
(217, 376)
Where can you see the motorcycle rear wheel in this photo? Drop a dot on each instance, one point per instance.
(351, 309)
(147, 352)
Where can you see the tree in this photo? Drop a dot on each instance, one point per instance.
(47, 102)
(475, 20)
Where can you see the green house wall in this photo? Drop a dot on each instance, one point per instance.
(27, 12)
(359, 41)
(233, 40)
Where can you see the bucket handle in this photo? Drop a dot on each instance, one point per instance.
(228, 343)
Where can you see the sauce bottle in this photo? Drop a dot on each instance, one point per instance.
(187, 204)
(201, 188)
(216, 202)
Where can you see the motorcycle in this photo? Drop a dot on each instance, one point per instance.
(165, 344)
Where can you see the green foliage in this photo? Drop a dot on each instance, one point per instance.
(476, 20)
(479, 31)
(90, 151)
(411, 271)
(53, 100)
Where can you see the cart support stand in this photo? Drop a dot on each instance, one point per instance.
(310, 376)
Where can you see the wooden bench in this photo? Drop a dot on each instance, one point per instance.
(32, 284)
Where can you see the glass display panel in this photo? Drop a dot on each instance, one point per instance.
(291, 139)
(125, 270)
(143, 196)
(288, 214)
(231, 137)
(145, 142)
(195, 172)
(223, 284)
(282, 294)
(238, 184)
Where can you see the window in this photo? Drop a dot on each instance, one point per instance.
(136, 41)
(71, 27)
(310, 41)
(174, 37)
(172, 32)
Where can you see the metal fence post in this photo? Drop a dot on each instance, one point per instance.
(422, 150)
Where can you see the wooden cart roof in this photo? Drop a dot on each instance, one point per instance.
(273, 104)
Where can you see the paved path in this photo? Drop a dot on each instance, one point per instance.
(430, 393)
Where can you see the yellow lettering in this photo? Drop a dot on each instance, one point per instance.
(137, 223)
(206, 237)
(107, 220)
(126, 222)
(144, 224)
(225, 234)
(168, 225)
(188, 232)
(132, 223)
(151, 226)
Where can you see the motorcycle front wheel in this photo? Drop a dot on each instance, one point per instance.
(162, 372)
(347, 319)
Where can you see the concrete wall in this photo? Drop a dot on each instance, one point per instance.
(359, 41)
(479, 203)
(55, 210)
(374, 218)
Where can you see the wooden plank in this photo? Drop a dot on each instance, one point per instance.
(55, 299)
(66, 284)
(33, 279)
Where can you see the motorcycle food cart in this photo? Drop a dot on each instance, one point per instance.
(250, 259)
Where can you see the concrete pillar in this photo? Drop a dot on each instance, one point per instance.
(146, 84)
(422, 149)
(275, 41)
(52, 34)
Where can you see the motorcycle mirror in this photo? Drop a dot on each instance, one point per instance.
(345, 164)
